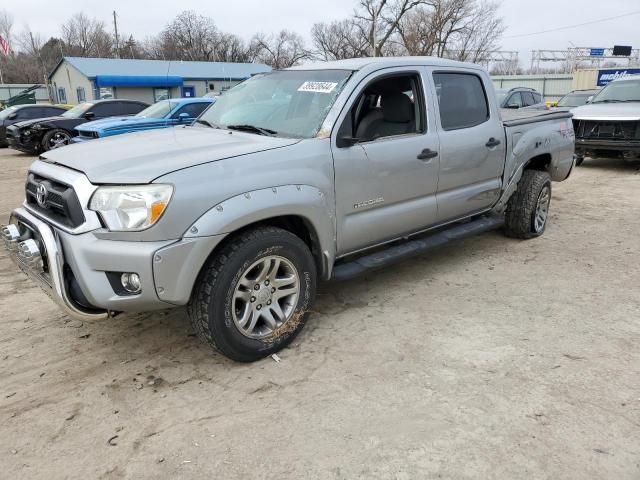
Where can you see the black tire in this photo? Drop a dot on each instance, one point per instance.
(211, 304)
(46, 140)
(520, 217)
(579, 161)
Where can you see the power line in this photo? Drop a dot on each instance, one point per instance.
(637, 12)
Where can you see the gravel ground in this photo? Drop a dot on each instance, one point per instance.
(491, 358)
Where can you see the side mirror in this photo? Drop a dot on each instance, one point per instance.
(89, 115)
(13, 116)
(513, 105)
(183, 117)
(346, 141)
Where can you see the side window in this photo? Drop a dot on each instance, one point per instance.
(391, 106)
(537, 97)
(193, 109)
(462, 100)
(103, 110)
(53, 112)
(81, 95)
(34, 112)
(515, 101)
(130, 108)
(62, 95)
(528, 99)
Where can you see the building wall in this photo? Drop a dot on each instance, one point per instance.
(552, 87)
(70, 79)
(585, 79)
(144, 94)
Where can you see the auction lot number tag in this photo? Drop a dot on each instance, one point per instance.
(317, 87)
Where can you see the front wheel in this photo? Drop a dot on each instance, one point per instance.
(55, 139)
(528, 208)
(251, 299)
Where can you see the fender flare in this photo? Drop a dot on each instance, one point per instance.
(304, 201)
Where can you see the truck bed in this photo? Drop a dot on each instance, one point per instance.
(512, 118)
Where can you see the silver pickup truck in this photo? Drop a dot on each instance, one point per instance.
(323, 171)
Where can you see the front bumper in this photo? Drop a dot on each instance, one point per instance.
(36, 250)
(75, 269)
(29, 144)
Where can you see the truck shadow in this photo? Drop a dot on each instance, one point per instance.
(611, 164)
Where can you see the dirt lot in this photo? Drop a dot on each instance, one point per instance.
(492, 358)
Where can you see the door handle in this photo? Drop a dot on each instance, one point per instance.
(492, 143)
(427, 154)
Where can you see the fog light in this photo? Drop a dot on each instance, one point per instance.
(131, 282)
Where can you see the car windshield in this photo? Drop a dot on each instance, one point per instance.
(78, 110)
(622, 91)
(157, 110)
(6, 112)
(575, 99)
(288, 103)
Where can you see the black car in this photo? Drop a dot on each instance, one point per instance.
(35, 136)
(20, 113)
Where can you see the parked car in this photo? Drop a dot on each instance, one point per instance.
(520, 97)
(609, 126)
(319, 171)
(44, 134)
(20, 113)
(576, 98)
(164, 114)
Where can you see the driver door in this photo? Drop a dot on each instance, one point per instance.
(385, 185)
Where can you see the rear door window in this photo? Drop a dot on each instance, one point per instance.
(462, 100)
(528, 99)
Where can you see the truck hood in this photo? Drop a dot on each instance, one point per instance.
(145, 156)
(608, 111)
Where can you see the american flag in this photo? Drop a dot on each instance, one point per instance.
(4, 46)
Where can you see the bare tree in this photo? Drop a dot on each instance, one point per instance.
(231, 48)
(280, 50)
(378, 20)
(465, 30)
(338, 40)
(86, 37)
(6, 25)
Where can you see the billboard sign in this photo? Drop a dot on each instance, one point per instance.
(606, 76)
(597, 52)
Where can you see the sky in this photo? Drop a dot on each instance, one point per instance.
(245, 17)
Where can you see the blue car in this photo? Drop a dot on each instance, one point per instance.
(164, 114)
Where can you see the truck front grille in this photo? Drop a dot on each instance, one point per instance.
(54, 200)
(607, 130)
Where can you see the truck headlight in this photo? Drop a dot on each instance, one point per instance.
(131, 208)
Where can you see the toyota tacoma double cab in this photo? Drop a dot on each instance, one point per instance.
(317, 172)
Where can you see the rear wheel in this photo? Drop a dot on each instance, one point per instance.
(55, 139)
(251, 299)
(528, 208)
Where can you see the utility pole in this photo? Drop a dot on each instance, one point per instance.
(115, 28)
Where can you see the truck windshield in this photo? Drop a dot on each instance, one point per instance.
(288, 103)
(624, 91)
(575, 99)
(157, 110)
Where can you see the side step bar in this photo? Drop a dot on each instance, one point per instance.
(393, 254)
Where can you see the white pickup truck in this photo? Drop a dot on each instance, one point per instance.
(323, 171)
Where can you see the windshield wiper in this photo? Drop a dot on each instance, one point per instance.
(207, 123)
(253, 128)
(609, 100)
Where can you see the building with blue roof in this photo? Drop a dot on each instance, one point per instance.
(75, 80)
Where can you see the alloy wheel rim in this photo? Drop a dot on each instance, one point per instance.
(265, 296)
(542, 209)
(59, 140)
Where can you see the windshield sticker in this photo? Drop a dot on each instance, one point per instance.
(317, 87)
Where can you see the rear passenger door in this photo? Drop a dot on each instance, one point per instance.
(472, 150)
